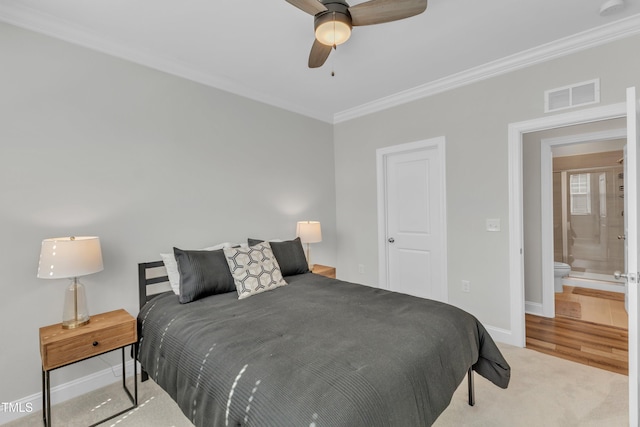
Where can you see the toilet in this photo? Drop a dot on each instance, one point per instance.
(560, 270)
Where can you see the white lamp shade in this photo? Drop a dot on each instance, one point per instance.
(65, 257)
(309, 231)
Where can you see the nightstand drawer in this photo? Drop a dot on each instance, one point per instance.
(87, 345)
(107, 332)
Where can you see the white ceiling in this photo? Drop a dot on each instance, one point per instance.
(259, 48)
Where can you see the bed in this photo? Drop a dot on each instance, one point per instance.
(316, 352)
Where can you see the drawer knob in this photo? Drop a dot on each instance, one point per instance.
(95, 343)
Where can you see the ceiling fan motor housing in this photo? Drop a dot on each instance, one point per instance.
(338, 10)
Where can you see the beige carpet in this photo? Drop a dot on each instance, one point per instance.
(544, 391)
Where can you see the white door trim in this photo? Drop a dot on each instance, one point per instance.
(516, 238)
(438, 144)
(631, 232)
(546, 205)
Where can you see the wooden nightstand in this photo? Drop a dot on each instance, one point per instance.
(324, 270)
(105, 332)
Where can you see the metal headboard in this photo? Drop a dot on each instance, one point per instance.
(150, 285)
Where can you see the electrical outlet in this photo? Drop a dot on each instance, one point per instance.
(466, 286)
(361, 268)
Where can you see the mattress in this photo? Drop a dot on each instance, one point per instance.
(318, 351)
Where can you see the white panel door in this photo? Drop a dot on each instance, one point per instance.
(414, 230)
(631, 185)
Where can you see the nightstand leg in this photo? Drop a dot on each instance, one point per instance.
(135, 373)
(124, 374)
(132, 398)
(46, 399)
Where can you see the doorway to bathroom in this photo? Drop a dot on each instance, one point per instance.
(573, 214)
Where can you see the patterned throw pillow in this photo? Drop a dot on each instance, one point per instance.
(254, 269)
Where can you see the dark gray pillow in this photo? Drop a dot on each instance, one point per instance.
(203, 273)
(289, 254)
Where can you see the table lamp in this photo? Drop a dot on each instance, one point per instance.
(71, 257)
(309, 232)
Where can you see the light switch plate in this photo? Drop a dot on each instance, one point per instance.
(493, 224)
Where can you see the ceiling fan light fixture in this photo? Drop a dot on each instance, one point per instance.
(333, 20)
(333, 29)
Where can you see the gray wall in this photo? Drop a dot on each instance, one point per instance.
(93, 145)
(474, 119)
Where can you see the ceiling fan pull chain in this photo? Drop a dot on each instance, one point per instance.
(334, 42)
(333, 57)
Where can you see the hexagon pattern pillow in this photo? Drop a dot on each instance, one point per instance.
(254, 269)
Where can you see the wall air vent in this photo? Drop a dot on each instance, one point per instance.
(574, 95)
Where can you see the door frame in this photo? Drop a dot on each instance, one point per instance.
(516, 132)
(437, 144)
(546, 204)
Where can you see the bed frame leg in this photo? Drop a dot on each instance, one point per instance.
(472, 392)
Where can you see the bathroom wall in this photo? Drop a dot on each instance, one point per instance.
(558, 248)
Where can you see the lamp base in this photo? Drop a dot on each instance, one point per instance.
(309, 263)
(75, 312)
(72, 324)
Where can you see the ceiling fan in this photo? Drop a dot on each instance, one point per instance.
(333, 20)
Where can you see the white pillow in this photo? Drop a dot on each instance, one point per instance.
(171, 265)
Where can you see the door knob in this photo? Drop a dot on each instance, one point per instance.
(391, 240)
(623, 237)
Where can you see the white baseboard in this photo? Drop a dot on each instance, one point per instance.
(533, 308)
(501, 335)
(60, 393)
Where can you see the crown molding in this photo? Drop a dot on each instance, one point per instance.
(578, 42)
(31, 19)
(34, 20)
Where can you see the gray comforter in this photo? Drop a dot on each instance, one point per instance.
(317, 352)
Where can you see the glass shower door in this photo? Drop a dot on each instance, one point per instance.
(594, 209)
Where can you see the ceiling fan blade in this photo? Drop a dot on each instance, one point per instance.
(380, 11)
(319, 54)
(312, 7)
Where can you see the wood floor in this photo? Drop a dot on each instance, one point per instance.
(600, 340)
